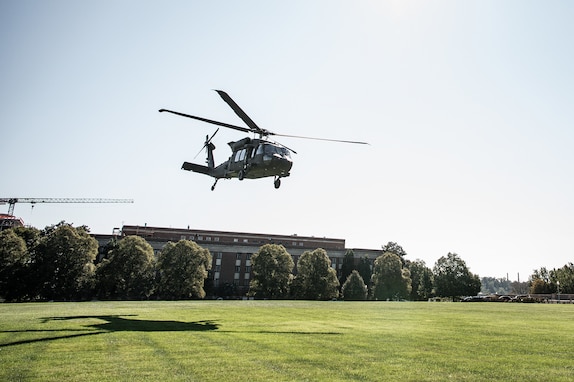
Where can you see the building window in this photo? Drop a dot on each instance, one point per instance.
(208, 238)
(216, 239)
(236, 240)
(236, 276)
(238, 256)
(247, 276)
(237, 269)
(245, 240)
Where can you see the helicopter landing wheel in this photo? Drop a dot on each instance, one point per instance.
(241, 175)
(214, 184)
(277, 183)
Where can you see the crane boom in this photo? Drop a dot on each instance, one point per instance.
(12, 201)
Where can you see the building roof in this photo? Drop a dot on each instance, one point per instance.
(162, 233)
(9, 221)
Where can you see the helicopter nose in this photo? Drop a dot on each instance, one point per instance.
(284, 163)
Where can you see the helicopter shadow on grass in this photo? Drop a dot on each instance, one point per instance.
(111, 324)
(124, 323)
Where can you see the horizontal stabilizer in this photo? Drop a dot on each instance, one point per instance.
(196, 168)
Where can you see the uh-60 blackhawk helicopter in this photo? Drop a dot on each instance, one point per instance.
(251, 158)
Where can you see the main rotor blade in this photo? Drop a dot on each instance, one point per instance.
(240, 113)
(244, 129)
(319, 139)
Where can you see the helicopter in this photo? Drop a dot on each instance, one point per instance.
(251, 158)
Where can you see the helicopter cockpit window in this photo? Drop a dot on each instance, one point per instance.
(286, 153)
(272, 150)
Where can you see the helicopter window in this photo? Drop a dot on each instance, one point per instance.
(240, 155)
(260, 149)
(271, 150)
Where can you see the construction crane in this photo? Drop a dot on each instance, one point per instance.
(12, 201)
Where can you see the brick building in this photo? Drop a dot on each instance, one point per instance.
(231, 251)
(10, 221)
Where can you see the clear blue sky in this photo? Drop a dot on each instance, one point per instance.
(467, 105)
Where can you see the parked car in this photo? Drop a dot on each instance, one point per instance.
(473, 299)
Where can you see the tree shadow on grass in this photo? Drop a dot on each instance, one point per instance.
(110, 324)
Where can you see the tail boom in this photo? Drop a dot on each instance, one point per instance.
(196, 168)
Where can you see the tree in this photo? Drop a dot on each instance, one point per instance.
(364, 269)
(271, 269)
(316, 280)
(393, 247)
(544, 281)
(517, 287)
(30, 235)
(348, 266)
(453, 278)
(565, 276)
(182, 270)
(129, 271)
(390, 280)
(492, 285)
(541, 283)
(354, 287)
(14, 259)
(63, 262)
(421, 280)
(539, 286)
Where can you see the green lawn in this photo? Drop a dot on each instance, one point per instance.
(286, 341)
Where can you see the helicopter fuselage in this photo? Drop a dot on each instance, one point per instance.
(250, 159)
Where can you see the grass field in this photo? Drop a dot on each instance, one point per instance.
(286, 341)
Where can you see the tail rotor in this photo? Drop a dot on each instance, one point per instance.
(207, 143)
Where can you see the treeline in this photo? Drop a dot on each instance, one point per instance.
(61, 263)
(390, 277)
(65, 263)
(542, 281)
